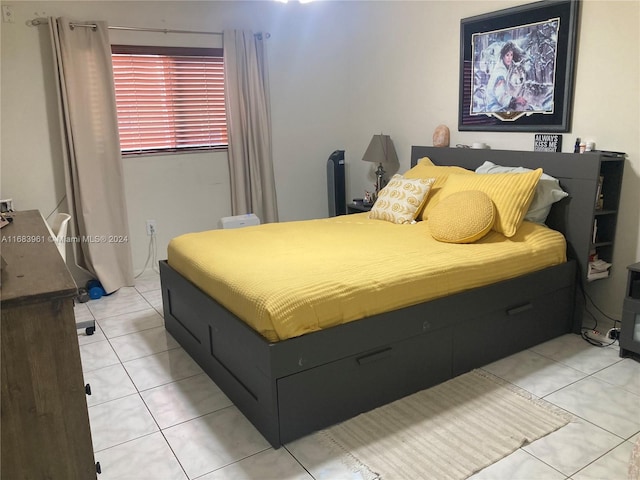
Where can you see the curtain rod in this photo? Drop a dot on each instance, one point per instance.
(44, 21)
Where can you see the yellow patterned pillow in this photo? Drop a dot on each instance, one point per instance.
(511, 193)
(426, 169)
(401, 199)
(462, 217)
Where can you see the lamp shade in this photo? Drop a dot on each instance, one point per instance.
(381, 150)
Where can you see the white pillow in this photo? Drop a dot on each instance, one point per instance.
(548, 191)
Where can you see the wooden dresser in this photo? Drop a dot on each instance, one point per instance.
(44, 418)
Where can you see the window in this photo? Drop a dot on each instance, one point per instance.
(169, 99)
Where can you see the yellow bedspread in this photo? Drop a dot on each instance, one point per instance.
(288, 279)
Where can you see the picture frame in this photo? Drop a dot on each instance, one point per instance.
(517, 68)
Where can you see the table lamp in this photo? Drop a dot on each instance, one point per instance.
(380, 150)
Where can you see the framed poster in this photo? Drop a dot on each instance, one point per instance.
(517, 67)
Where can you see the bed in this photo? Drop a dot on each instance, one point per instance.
(291, 383)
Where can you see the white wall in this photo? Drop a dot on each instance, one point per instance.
(405, 64)
(189, 192)
(340, 72)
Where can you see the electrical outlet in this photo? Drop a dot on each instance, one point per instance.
(598, 337)
(151, 228)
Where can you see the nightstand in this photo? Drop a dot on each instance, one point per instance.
(358, 208)
(630, 325)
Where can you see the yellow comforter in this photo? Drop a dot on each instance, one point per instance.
(288, 279)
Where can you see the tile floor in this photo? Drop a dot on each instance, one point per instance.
(155, 415)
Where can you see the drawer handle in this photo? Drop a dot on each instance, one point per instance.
(520, 309)
(374, 357)
(87, 389)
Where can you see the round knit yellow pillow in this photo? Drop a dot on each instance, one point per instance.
(462, 217)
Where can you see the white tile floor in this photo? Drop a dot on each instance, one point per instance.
(155, 415)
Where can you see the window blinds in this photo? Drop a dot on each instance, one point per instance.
(169, 101)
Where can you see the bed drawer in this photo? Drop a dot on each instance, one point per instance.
(328, 394)
(510, 329)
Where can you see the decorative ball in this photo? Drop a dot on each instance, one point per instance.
(441, 136)
(462, 217)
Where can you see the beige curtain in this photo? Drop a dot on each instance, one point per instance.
(249, 125)
(91, 151)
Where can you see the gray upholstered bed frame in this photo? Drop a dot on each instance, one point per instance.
(294, 387)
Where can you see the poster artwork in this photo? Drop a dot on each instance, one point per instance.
(514, 70)
(547, 143)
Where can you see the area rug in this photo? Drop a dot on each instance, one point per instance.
(449, 431)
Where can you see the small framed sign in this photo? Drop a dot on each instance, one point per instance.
(547, 143)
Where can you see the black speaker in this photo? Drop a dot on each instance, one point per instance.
(336, 184)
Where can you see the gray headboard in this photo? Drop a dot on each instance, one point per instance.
(578, 175)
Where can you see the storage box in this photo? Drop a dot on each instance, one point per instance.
(238, 221)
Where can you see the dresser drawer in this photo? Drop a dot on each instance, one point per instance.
(630, 327)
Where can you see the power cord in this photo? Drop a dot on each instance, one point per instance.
(611, 334)
(55, 209)
(598, 308)
(152, 254)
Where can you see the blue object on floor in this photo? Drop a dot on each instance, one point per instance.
(95, 289)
